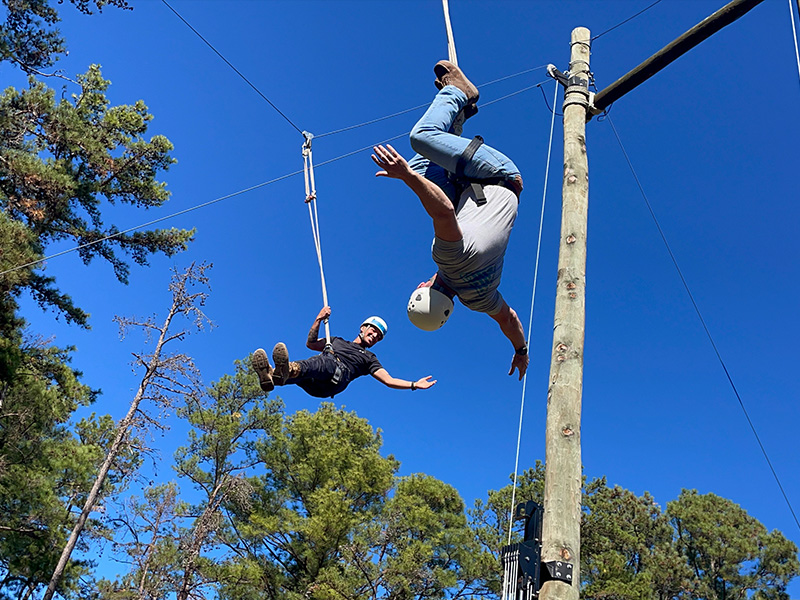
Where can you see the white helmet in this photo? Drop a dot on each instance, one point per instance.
(429, 309)
(378, 324)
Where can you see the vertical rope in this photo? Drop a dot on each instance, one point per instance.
(530, 320)
(794, 33)
(311, 201)
(451, 43)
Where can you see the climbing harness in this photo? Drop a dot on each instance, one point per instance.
(311, 201)
(461, 182)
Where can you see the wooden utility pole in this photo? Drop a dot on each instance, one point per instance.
(563, 476)
(561, 534)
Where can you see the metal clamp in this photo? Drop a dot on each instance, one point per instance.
(556, 570)
(553, 72)
(308, 136)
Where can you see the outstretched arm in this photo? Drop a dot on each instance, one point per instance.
(313, 342)
(511, 327)
(383, 376)
(434, 200)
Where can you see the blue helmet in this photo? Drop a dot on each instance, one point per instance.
(378, 324)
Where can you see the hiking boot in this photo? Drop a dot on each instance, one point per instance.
(263, 369)
(280, 354)
(449, 74)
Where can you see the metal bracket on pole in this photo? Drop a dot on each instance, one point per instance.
(524, 572)
(556, 570)
(577, 91)
(553, 72)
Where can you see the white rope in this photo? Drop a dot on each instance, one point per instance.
(451, 43)
(794, 32)
(530, 320)
(311, 201)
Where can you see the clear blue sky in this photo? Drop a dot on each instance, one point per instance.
(713, 139)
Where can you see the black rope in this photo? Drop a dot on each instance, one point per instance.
(626, 20)
(703, 322)
(547, 104)
(227, 62)
(525, 89)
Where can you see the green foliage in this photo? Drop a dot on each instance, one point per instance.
(701, 547)
(59, 160)
(29, 38)
(325, 476)
(731, 554)
(627, 547)
(45, 470)
(491, 518)
(148, 541)
(170, 544)
(329, 519)
(425, 547)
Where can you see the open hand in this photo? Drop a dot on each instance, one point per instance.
(520, 362)
(424, 383)
(392, 163)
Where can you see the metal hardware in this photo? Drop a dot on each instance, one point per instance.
(523, 569)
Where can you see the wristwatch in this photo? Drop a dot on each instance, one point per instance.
(522, 350)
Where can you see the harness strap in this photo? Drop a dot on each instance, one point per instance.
(460, 177)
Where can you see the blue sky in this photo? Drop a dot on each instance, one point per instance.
(713, 139)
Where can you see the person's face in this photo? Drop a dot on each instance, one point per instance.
(370, 335)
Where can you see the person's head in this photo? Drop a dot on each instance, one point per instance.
(372, 331)
(429, 306)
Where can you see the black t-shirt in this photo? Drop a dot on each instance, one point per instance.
(359, 360)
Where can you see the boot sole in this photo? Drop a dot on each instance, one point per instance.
(280, 356)
(263, 369)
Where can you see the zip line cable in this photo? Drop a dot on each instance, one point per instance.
(227, 196)
(148, 224)
(335, 131)
(794, 35)
(227, 62)
(626, 20)
(703, 322)
(419, 106)
(192, 208)
(530, 319)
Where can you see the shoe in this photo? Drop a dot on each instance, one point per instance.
(280, 354)
(263, 369)
(449, 74)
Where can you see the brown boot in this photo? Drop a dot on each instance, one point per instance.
(284, 369)
(449, 74)
(263, 369)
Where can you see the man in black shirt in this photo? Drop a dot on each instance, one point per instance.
(327, 374)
